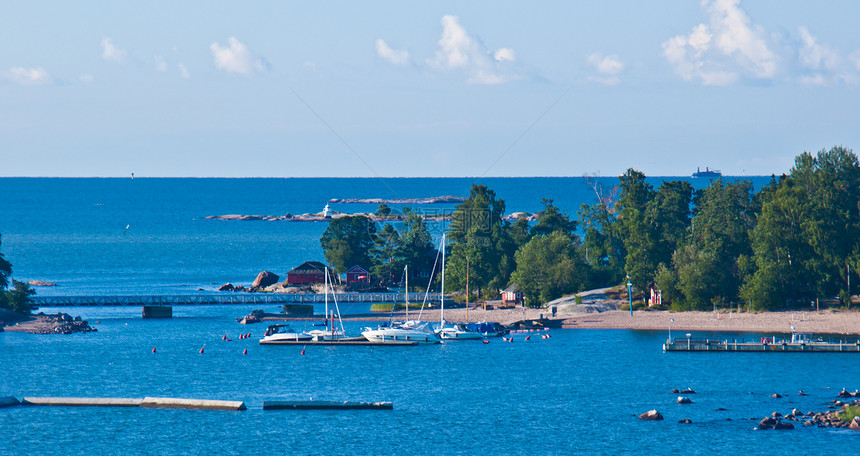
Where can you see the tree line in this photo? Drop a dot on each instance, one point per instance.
(794, 240)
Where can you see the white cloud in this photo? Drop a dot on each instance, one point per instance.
(460, 51)
(504, 55)
(27, 76)
(183, 72)
(160, 64)
(237, 58)
(608, 67)
(822, 65)
(719, 52)
(400, 57)
(87, 78)
(111, 52)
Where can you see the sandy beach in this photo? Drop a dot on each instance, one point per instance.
(824, 322)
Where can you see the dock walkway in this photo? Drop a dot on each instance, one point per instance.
(708, 345)
(222, 299)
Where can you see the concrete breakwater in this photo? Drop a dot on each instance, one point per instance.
(146, 402)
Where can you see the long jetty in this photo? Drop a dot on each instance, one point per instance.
(708, 345)
(224, 298)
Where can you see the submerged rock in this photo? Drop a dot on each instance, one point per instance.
(684, 400)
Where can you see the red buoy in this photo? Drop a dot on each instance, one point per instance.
(511, 339)
(224, 337)
(201, 350)
(153, 349)
(245, 351)
(303, 350)
(528, 337)
(486, 341)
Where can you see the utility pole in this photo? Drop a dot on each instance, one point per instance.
(467, 288)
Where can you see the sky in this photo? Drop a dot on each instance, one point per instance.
(408, 88)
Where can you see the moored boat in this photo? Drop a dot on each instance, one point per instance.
(283, 332)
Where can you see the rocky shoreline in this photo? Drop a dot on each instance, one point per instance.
(841, 415)
(41, 323)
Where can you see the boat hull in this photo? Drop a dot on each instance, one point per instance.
(400, 335)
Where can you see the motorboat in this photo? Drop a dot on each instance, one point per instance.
(283, 332)
(419, 332)
(458, 331)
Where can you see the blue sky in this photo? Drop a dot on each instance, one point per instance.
(394, 88)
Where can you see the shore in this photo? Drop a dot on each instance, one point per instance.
(824, 322)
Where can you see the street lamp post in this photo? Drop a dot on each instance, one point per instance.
(630, 295)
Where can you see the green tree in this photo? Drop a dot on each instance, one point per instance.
(385, 255)
(18, 300)
(5, 269)
(635, 229)
(668, 215)
(808, 233)
(552, 219)
(348, 241)
(707, 267)
(478, 236)
(416, 248)
(548, 267)
(383, 210)
(603, 248)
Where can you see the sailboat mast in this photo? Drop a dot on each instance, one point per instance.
(325, 291)
(406, 290)
(442, 298)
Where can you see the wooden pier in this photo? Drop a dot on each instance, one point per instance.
(225, 298)
(709, 345)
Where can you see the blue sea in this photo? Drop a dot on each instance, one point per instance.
(577, 392)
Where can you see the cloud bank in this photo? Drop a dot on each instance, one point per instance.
(460, 51)
(723, 50)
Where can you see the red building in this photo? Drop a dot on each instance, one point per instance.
(307, 273)
(512, 296)
(357, 274)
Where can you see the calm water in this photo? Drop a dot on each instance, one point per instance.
(577, 392)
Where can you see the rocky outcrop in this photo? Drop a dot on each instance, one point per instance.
(226, 287)
(651, 415)
(41, 283)
(431, 200)
(264, 279)
(684, 400)
(52, 324)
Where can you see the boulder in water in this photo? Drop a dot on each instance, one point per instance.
(226, 287)
(651, 415)
(264, 279)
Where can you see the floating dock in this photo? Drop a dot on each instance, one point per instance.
(147, 402)
(343, 341)
(83, 401)
(326, 405)
(703, 345)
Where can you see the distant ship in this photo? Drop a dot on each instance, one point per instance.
(707, 173)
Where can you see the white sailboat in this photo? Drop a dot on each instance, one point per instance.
(456, 331)
(330, 332)
(408, 331)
